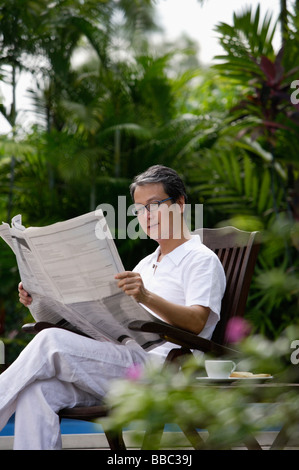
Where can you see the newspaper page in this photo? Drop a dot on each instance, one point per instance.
(68, 268)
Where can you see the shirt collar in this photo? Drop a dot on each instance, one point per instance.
(181, 251)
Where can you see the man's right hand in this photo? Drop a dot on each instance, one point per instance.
(24, 296)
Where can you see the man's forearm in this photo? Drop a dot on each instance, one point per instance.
(192, 318)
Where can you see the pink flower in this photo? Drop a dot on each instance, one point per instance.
(237, 329)
(134, 372)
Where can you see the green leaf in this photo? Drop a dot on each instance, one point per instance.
(236, 174)
(264, 195)
(247, 176)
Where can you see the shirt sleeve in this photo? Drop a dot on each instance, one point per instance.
(204, 282)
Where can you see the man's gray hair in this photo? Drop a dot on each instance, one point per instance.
(172, 183)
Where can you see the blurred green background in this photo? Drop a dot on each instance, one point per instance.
(229, 129)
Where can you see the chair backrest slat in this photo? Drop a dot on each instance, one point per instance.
(237, 251)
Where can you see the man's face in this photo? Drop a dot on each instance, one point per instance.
(163, 223)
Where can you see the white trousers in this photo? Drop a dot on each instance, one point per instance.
(59, 369)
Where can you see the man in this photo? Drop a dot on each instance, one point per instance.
(182, 282)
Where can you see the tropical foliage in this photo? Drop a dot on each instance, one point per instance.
(258, 180)
(225, 417)
(109, 105)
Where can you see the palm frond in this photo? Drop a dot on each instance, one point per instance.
(238, 185)
(244, 42)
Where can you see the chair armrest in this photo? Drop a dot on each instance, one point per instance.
(181, 337)
(34, 328)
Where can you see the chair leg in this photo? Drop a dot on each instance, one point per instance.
(151, 440)
(252, 444)
(194, 438)
(281, 439)
(151, 443)
(115, 440)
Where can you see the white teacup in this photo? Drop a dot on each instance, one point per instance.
(218, 369)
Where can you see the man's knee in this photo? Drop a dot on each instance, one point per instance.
(48, 341)
(52, 335)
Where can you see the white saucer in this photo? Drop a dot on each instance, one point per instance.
(233, 379)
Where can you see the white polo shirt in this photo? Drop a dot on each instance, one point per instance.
(191, 274)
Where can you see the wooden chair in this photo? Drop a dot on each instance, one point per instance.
(237, 251)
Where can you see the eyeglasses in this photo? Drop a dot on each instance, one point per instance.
(153, 206)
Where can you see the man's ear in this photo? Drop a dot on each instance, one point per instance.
(181, 202)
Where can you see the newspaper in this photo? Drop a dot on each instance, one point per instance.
(68, 268)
